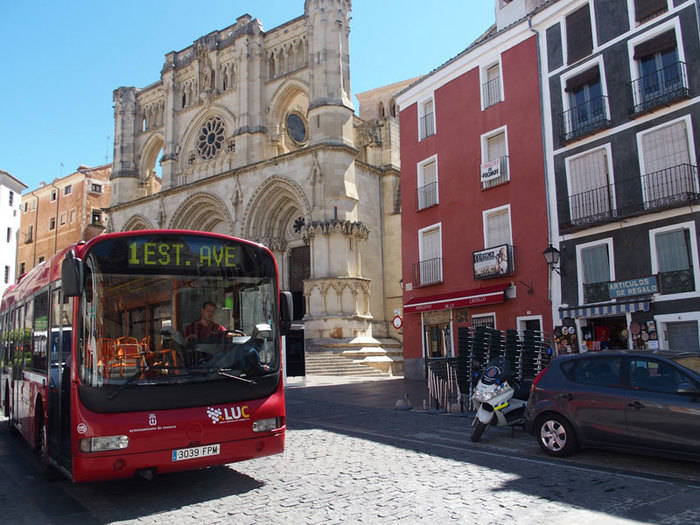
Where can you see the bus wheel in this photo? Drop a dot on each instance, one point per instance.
(42, 447)
(41, 440)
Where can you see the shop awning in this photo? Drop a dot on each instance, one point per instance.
(604, 309)
(475, 297)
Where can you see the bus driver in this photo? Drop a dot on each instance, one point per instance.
(205, 329)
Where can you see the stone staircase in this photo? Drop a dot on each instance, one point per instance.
(334, 364)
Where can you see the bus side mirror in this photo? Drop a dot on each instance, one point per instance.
(286, 312)
(72, 275)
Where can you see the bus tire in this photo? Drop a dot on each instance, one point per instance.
(42, 445)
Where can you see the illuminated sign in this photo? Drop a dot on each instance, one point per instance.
(173, 253)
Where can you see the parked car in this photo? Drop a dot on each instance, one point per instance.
(632, 401)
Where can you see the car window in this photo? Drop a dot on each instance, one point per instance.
(655, 376)
(691, 362)
(597, 371)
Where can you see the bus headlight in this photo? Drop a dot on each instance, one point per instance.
(102, 443)
(265, 425)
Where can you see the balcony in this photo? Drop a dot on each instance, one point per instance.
(596, 292)
(668, 188)
(660, 88)
(590, 207)
(584, 119)
(495, 172)
(671, 187)
(427, 272)
(427, 126)
(491, 92)
(427, 195)
(678, 281)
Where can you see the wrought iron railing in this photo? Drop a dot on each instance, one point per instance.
(491, 91)
(660, 88)
(667, 188)
(585, 118)
(427, 272)
(677, 184)
(596, 292)
(427, 195)
(678, 281)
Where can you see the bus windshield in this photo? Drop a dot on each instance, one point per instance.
(177, 309)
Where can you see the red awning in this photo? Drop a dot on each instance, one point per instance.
(476, 297)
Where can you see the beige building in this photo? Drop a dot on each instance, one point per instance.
(61, 213)
(253, 133)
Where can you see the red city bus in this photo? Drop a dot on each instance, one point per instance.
(103, 373)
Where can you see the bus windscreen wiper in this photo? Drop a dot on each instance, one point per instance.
(225, 373)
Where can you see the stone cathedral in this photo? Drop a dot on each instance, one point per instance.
(254, 133)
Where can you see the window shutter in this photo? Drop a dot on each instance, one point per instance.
(579, 38)
(496, 146)
(497, 229)
(665, 147)
(663, 42)
(431, 244)
(590, 76)
(588, 172)
(429, 173)
(647, 8)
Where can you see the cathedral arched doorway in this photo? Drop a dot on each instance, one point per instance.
(276, 217)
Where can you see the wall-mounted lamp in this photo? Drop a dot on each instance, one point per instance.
(401, 283)
(551, 256)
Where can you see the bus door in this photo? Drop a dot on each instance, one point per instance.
(58, 427)
(17, 369)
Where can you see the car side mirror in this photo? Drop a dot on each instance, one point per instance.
(72, 275)
(687, 388)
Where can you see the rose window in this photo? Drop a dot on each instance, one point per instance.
(211, 138)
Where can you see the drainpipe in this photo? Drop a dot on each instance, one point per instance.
(548, 189)
(36, 223)
(55, 223)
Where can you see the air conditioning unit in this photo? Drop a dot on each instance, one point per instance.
(490, 170)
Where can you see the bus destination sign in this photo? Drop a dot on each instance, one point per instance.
(164, 253)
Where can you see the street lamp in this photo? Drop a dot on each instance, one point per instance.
(551, 256)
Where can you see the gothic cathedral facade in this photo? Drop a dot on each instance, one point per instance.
(254, 134)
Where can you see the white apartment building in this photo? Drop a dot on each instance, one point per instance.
(10, 199)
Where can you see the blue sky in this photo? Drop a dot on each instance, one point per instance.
(61, 60)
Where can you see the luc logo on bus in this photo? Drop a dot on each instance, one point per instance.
(228, 414)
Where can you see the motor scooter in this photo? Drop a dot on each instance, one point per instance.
(498, 398)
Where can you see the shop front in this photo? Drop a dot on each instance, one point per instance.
(613, 326)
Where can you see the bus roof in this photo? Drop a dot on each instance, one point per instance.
(50, 270)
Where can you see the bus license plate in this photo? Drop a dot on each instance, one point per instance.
(182, 454)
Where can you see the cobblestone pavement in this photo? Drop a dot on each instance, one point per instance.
(352, 458)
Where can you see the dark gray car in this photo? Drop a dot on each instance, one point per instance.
(634, 401)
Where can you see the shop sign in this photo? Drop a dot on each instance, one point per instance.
(632, 287)
(492, 262)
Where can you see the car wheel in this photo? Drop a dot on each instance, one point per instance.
(556, 436)
(478, 430)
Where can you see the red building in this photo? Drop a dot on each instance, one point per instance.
(474, 200)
